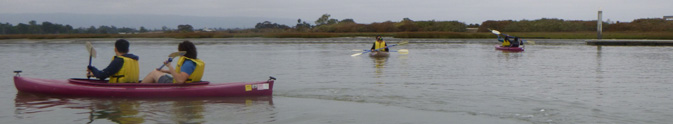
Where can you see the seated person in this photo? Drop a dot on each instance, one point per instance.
(122, 69)
(189, 68)
(378, 44)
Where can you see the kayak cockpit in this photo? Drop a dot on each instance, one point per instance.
(104, 83)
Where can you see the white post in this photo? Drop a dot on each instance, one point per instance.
(599, 25)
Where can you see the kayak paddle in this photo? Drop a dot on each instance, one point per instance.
(92, 53)
(173, 55)
(366, 51)
(401, 51)
(496, 32)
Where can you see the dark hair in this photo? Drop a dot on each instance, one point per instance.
(122, 46)
(189, 47)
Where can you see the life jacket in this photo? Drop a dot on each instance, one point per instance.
(505, 42)
(128, 73)
(198, 70)
(379, 45)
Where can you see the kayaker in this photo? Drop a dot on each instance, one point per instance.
(506, 42)
(378, 44)
(189, 68)
(122, 69)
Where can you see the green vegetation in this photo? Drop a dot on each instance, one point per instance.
(326, 27)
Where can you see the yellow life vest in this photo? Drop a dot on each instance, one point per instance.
(198, 70)
(128, 73)
(505, 42)
(379, 45)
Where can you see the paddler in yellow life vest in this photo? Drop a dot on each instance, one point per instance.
(122, 69)
(378, 44)
(506, 42)
(189, 68)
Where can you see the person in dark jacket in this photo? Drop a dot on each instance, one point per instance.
(123, 68)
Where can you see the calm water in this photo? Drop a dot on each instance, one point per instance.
(439, 81)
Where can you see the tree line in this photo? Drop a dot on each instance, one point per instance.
(52, 28)
(560, 25)
(325, 24)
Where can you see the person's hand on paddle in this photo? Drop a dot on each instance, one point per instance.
(166, 63)
(170, 68)
(88, 73)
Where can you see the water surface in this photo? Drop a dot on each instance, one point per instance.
(439, 81)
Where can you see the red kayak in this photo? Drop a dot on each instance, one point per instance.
(98, 88)
(512, 49)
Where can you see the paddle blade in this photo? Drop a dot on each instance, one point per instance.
(530, 42)
(357, 54)
(403, 43)
(89, 48)
(495, 32)
(176, 54)
(403, 51)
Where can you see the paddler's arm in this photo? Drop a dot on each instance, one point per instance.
(384, 44)
(180, 77)
(500, 39)
(111, 69)
(373, 46)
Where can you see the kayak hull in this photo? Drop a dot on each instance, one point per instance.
(512, 49)
(97, 88)
(379, 54)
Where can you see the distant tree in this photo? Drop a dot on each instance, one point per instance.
(407, 25)
(142, 29)
(332, 21)
(322, 20)
(347, 21)
(302, 26)
(185, 28)
(268, 25)
(34, 28)
(68, 29)
(91, 30)
(22, 28)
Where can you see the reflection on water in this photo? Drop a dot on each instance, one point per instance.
(133, 111)
(379, 65)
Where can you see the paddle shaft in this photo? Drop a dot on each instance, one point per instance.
(90, 56)
(162, 66)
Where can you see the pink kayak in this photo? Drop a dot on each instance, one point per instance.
(512, 49)
(98, 88)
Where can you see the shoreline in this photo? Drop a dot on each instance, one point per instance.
(319, 35)
(336, 40)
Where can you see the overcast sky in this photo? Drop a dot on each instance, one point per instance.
(362, 11)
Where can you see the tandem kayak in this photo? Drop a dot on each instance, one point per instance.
(379, 54)
(99, 88)
(512, 49)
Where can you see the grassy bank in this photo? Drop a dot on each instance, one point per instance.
(540, 35)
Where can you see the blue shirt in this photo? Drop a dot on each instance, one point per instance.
(188, 67)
